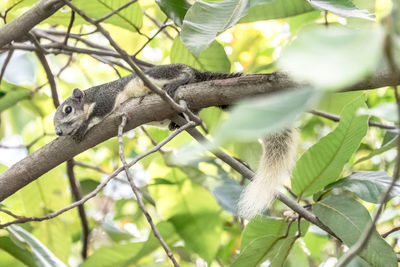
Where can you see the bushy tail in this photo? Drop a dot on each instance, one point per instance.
(276, 164)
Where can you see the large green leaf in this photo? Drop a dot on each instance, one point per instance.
(344, 8)
(174, 9)
(191, 209)
(130, 18)
(204, 20)
(347, 218)
(127, 254)
(265, 114)
(43, 256)
(267, 239)
(20, 253)
(329, 57)
(324, 161)
(213, 58)
(277, 9)
(368, 185)
(11, 94)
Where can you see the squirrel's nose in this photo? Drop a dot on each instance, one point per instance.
(58, 132)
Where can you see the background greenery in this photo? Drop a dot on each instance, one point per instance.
(195, 201)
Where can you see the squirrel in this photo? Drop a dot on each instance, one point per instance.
(86, 108)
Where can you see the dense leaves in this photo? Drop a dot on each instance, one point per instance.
(191, 195)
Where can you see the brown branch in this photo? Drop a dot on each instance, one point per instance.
(71, 23)
(20, 26)
(40, 53)
(152, 108)
(5, 64)
(336, 118)
(384, 235)
(115, 11)
(92, 194)
(77, 193)
(138, 194)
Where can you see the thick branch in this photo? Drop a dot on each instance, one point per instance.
(20, 26)
(152, 108)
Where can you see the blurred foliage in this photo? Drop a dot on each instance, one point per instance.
(344, 169)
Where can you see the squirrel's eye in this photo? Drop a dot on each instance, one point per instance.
(67, 109)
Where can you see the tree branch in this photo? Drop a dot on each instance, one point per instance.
(152, 108)
(20, 26)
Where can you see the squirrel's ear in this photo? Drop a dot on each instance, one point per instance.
(78, 94)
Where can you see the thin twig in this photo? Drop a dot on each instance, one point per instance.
(138, 194)
(5, 64)
(40, 53)
(77, 193)
(71, 22)
(390, 231)
(336, 118)
(115, 11)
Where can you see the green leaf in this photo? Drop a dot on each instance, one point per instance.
(329, 57)
(343, 8)
(265, 114)
(324, 161)
(11, 94)
(205, 20)
(201, 232)
(130, 18)
(368, 185)
(347, 218)
(212, 59)
(43, 256)
(277, 9)
(127, 254)
(191, 209)
(21, 254)
(174, 9)
(169, 235)
(267, 239)
(116, 255)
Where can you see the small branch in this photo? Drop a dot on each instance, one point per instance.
(40, 53)
(77, 193)
(5, 64)
(71, 22)
(114, 11)
(384, 235)
(138, 194)
(336, 118)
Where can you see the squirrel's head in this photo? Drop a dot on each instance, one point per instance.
(70, 115)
